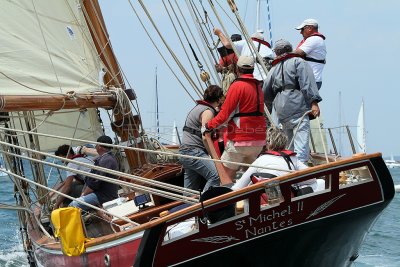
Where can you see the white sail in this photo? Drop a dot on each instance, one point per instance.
(72, 124)
(55, 54)
(361, 140)
(174, 135)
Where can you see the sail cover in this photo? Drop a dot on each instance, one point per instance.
(46, 48)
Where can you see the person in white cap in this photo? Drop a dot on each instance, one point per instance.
(312, 48)
(291, 88)
(243, 110)
(243, 48)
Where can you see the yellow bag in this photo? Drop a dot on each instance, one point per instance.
(68, 226)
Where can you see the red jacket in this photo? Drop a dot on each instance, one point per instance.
(228, 60)
(243, 110)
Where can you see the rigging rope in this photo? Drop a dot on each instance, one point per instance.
(146, 150)
(158, 50)
(183, 46)
(182, 68)
(152, 190)
(213, 73)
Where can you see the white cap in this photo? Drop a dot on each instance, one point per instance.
(245, 62)
(307, 22)
(258, 35)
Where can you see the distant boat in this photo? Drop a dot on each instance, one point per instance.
(391, 163)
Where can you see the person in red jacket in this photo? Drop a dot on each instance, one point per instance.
(243, 111)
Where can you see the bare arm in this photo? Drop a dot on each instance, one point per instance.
(300, 52)
(205, 117)
(225, 42)
(315, 109)
(86, 191)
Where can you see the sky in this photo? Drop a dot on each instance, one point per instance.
(362, 61)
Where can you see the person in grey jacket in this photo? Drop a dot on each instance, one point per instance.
(291, 88)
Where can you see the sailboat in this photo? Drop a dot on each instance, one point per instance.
(391, 163)
(361, 134)
(61, 70)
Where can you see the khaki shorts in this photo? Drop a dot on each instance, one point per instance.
(242, 154)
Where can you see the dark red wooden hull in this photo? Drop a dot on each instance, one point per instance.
(325, 228)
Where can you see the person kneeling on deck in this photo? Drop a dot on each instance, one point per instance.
(74, 181)
(199, 174)
(276, 161)
(291, 88)
(243, 110)
(97, 192)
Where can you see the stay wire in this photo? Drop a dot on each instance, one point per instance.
(182, 68)
(201, 22)
(183, 46)
(158, 50)
(206, 62)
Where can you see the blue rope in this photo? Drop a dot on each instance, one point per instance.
(269, 25)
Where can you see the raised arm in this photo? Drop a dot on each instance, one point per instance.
(225, 42)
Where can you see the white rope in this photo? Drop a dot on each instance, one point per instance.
(170, 50)
(152, 151)
(159, 52)
(297, 127)
(106, 170)
(180, 40)
(214, 76)
(72, 198)
(158, 192)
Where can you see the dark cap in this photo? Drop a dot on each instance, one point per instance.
(105, 139)
(236, 37)
(64, 150)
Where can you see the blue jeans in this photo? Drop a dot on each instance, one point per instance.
(197, 171)
(89, 198)
(300, 145)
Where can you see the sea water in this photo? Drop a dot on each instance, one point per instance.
(381, 247)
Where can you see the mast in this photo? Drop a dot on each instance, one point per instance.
(130, 125)
(157, 114)
(258, 16)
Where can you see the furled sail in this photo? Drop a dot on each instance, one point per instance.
(46, 50)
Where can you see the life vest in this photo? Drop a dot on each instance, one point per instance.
(284, 57)
(321, 61)
(285, 154)
(261, 42)
(197, 131)
(253, 113)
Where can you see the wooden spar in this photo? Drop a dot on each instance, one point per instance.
(130, 127)
(223, 176)
(56, 102)
(100, 38)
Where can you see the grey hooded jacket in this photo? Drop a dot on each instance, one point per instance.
(293, 92)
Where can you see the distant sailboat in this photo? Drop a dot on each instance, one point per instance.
(391, 163)
(361, 136)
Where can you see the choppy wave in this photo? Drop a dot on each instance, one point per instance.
(13, 257)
